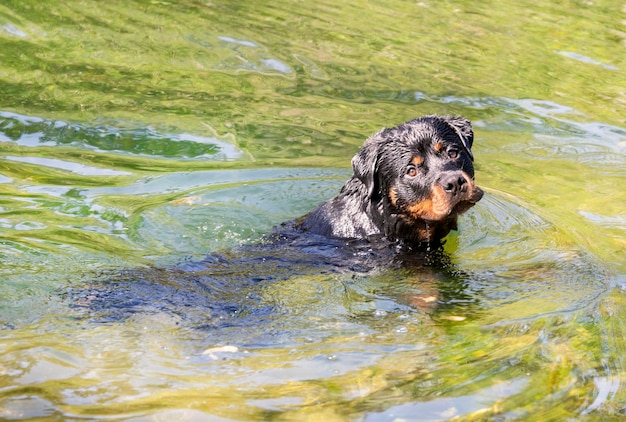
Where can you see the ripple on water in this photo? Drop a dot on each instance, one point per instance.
(522, 265)
(509, 262)
(478, 328)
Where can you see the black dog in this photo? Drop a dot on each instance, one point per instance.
(410, 183)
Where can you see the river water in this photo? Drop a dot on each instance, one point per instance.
(144, 144)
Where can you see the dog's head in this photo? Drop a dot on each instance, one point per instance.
(421, 175)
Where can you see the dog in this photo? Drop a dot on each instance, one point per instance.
(410, 184)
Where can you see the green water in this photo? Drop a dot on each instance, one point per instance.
(146, 133)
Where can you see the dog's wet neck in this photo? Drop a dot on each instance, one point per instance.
(403, 227)
(421, 232)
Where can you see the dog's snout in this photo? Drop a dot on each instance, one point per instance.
(453, 183)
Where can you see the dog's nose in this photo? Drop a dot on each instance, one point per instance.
(453, 183)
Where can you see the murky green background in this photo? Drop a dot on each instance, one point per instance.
(143, 133)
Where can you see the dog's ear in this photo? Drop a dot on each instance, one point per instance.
(463, 128)
(365, 164)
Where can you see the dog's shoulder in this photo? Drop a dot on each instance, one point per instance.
(347, 215)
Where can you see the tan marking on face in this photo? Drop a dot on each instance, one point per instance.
(393, 196)
(417, 161)
(440, 204)
(434, 208)
(438, 146)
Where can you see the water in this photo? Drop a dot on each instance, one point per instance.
(136, 138)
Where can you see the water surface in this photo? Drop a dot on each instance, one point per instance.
(145, 147)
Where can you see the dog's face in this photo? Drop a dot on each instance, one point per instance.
(420, 172)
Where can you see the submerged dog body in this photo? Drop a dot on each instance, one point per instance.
(409, 184)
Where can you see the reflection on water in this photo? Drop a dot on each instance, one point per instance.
(65, 165)
(36, 132)
(586, 59)
(146, 151)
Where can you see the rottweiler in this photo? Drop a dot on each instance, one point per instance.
(409, 184)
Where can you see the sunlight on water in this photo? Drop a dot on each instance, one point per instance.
(147, 152)
(66, 165)
(35, 132)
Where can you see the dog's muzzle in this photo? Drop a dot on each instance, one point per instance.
(459, 187)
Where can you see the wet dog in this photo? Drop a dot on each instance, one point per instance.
(409, 184)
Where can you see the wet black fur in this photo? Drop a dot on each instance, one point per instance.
(363, 207)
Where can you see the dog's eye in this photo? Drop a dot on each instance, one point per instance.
(453, 153)
(411, 171)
